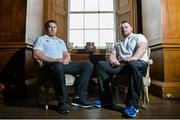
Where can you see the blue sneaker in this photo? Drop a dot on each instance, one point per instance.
(97, 103)
(131, 111)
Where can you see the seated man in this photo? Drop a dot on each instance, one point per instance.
(56, 61)
(129, 53)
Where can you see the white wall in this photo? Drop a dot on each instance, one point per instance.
(151, 19)
(34, 20)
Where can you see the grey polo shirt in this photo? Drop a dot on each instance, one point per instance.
(51, 47)
(126, 47)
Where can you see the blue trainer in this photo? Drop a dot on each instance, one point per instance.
(131, 111)
(97, 103)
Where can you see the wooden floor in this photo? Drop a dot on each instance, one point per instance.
(28, 109)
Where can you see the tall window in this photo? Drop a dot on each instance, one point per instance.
(91, 21)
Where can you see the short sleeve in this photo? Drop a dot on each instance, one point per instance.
(113, 50)
(64, 46)
(38, 44)
(141, 38)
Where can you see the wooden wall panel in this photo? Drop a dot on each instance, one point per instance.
(172, 65)
(123, 6)
(57, 10)
(14, 68)
(12, 47)
(162, 28)
(12, 29)
(120, 18)
(157, 68)
(171, 18)
(5, 57)
(31, 69)
(165, 72)
(12, 21)
(48, 6)
(60, 15)
(171, 91)
(60, 5)
(126, 10)
(61, 23)
(174, 10)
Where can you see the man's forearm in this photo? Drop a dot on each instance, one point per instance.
(67, 56)
(40, 56)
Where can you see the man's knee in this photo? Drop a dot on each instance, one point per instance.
(57, 66)
(90, 65)
(100, 64)
(133, 64)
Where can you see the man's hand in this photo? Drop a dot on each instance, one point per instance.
(114, 62)
(66, 57)
(59, 60)
(66, 61)
(63, 60)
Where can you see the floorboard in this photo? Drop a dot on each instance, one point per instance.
(28, 109)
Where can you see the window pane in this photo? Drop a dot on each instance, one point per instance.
(91, 21)
(76, 5)
(106, 36)
(76, 21)
(77, 37)
(91, 36)
(91, 5)
(107, 20)
(87, 24)
(106, 5)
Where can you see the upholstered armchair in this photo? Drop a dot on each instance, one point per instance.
(46, 90)
(119, 85)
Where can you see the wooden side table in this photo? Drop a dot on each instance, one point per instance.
(91, 57)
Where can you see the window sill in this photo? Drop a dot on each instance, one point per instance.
(82, 51)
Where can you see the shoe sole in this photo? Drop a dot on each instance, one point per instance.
(79, 105)
(63, 112)
(137, 110)
(132, 116)
(97, 106)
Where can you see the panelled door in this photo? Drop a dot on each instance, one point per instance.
(126, 10)
(57, 10)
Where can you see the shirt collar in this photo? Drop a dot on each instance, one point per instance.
(128, 37)
(53, 38)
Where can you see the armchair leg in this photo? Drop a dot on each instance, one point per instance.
(145, 97)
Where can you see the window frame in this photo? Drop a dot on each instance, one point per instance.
(91, 12)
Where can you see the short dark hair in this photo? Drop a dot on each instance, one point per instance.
(46, 25)
(125, 21)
